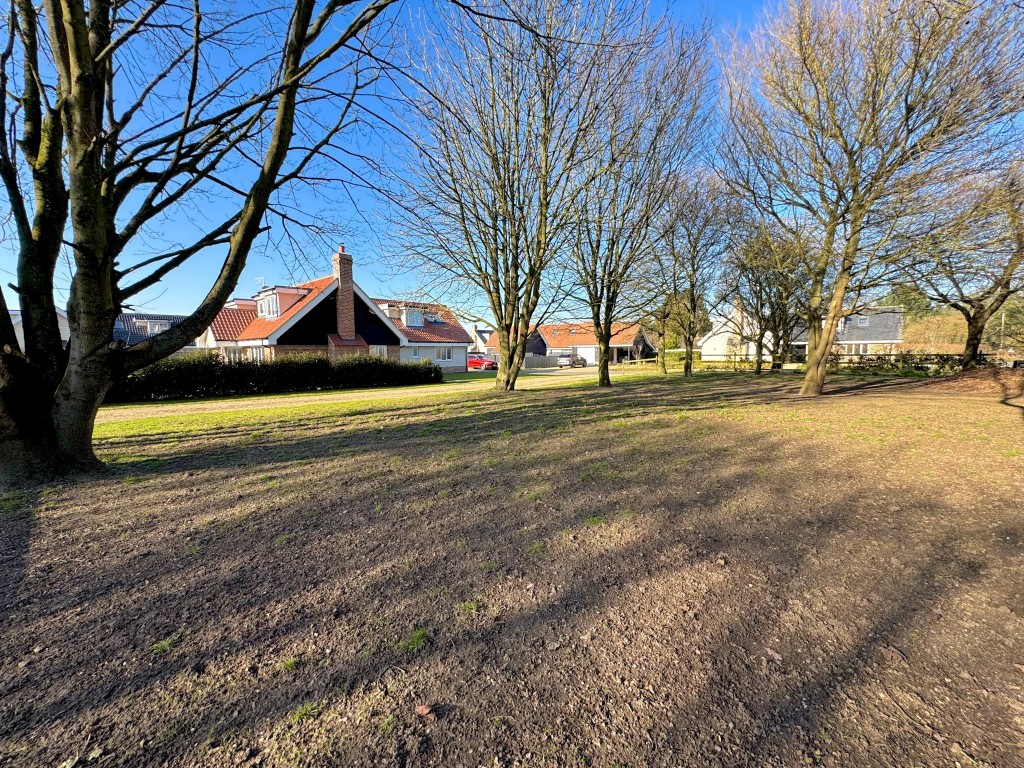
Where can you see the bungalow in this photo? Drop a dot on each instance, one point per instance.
(334, 316)
(133, 327)
(628, 342)
(869, 331)
(129, 327)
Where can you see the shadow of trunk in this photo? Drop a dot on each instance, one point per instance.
(16, 522)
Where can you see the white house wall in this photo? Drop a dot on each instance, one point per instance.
(62, 325)
(723, 344)
(428, 351)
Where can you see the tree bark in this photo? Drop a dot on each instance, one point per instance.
(759, 354)
(28, 446)
(688, 342)
(971, 356)
(604, 378)
(662, 362)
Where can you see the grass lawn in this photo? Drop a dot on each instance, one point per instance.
(667, 573)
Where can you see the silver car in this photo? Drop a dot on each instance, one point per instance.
(572, 361)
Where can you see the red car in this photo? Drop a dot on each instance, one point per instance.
(481, 363)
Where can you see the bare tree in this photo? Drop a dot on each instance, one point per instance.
(697, 236)
(653, 120)
(764, 283)
(841, 113)
(503, 128)
(119, 116)
(972, 259)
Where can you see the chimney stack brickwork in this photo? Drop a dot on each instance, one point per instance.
(342, 268)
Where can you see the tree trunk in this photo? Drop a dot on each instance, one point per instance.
(759, 354)
(688, 357)
(604, 378)
(819, 345)
(972, 348)
(663, 367)
(501, 381)
(510, 359)
(28, 446)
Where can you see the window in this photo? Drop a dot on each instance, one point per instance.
(413, 318)
(379, 350)
(862, 322)
(256, 354)
(267, 307)
(416, 353)
(233, 354)
(443, 353)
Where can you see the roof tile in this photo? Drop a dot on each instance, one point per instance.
(568, 335)
(448, 331)
(230, 322)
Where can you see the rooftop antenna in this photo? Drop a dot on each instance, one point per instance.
(261, 282)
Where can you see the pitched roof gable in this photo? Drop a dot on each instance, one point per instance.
(265, 327)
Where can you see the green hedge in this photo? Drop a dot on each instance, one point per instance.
(901, 363)
(192, 377)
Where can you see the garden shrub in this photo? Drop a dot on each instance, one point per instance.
(196, 376)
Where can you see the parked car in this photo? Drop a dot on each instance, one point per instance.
(481, 363)
(572, 360)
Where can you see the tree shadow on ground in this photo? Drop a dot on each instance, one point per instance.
(166, 626)
(16, 522)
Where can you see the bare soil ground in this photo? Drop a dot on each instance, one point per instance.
(668, 573)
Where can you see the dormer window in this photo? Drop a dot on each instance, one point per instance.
(267, 306)
(413, 318)
(862, 322)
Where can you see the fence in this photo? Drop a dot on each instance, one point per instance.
(540, 361)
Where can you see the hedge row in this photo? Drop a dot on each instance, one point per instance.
(902, 363)
(192, 377)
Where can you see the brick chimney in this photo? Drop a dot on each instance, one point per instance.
(342, 270)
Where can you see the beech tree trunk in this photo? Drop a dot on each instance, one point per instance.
(604, 378)
(28, 442)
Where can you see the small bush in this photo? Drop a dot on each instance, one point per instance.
(191, 377)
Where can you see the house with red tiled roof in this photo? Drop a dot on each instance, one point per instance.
(334, 316)
(628, 342)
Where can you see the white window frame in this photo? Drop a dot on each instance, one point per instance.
(414, 318)
(415, 353)
(443, 353)
(379, 350)
(268, 306)
(862, 322)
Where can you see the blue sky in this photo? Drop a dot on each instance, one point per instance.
(357, 213)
